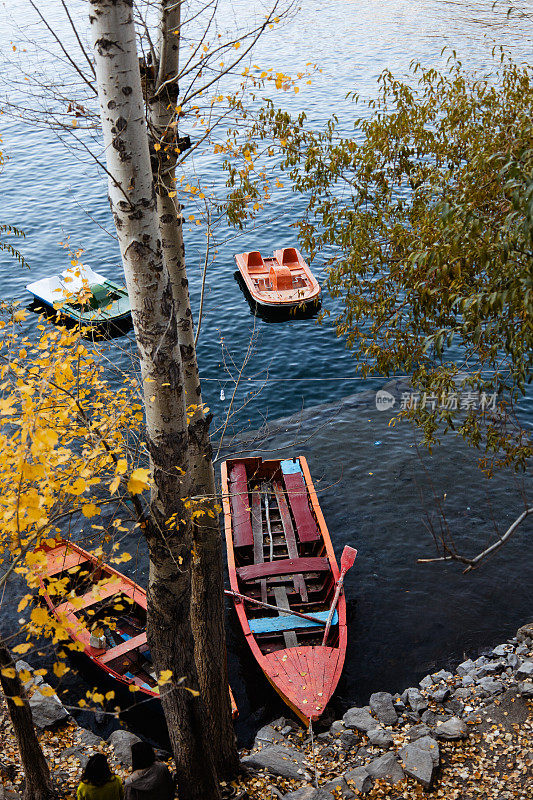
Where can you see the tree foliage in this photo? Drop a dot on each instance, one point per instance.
(424, 218)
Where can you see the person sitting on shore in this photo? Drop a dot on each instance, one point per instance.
(98, 782)
(149, 779)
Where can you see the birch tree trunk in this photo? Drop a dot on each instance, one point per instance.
(133, 203)
(207, 609)
(38, 782)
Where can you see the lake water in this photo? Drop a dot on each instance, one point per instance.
(405, 619)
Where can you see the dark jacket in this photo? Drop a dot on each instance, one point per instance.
(152, 783)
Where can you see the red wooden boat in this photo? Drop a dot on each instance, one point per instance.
(101, 597)
(283, 280)
(280, 554)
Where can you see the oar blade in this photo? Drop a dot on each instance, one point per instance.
(348, 557)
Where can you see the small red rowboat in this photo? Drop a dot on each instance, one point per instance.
(100, 597)
(285, 581)
(283, 280)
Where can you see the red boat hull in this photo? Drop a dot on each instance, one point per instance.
(305, 674)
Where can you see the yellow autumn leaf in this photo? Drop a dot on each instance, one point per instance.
(18, 701)
(90, 510)
(77, 487)
(9, 672)
(39, 616)
(22, 648)
(115, 483)
(46, 436)
(24, 602)
(138, 480)
(60, 669)
(164, 676)
(98, 698)
(192, 691)
(46, 691)
(19, 316)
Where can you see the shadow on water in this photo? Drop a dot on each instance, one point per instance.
(305, 311)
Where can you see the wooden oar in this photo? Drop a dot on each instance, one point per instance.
(231, 593)
(347, 559)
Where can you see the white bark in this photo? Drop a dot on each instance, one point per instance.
(133, 204)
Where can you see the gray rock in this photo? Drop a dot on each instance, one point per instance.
(418, 763)
(491, 668)
(417, 731)
(480, 662)
(430, 718)
(382, 706)
(467, 680)
(121, 742)
(526, 689)
(46, 711)
(386, 767)
(280, 722)
(454, 708)
(337, 727)
(359, 719)
(489, 686)
(9, 794)
(501, 650)
(440, 695)
(35, 680)
(360, 778)
(465, 667)
(279, 760)
(309, 793)
(525, 670)
(525, 633)
(340, 786)
(512, 660)
(415, 699)
(380, 738)
(441, 675)
(462, 693)
(268, 735)
(348, 740)
(426, 683)
(399, 705)
(430, 745)
(453, 728)
(89, 739)
(522, 649)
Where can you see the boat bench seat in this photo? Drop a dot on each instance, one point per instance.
(123, 649)
(283, 566)
(240, 507)
(288, 622)
(293, 478)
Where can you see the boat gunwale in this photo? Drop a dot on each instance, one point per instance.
(312, 293)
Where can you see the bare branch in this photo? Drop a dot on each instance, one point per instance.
(60, 43)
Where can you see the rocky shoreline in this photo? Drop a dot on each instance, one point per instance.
(462, 735)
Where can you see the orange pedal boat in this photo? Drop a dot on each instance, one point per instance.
(283, 280)
(283, 576)
(90, 591)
